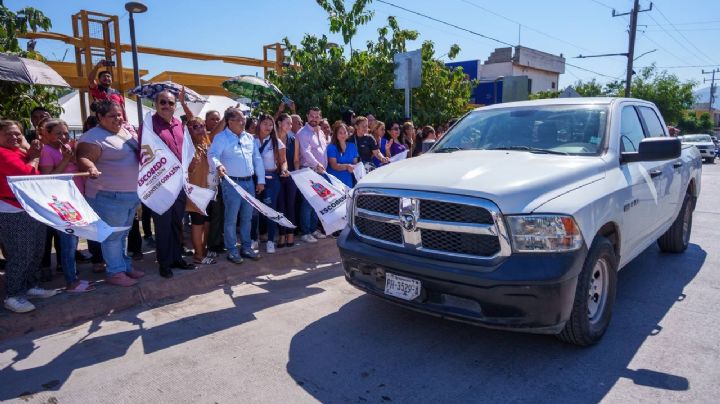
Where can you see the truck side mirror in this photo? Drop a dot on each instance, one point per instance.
(654, 149)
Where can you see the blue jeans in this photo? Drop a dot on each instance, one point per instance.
(308, 218)
(117, 209)
(235, 204)
(68, 244)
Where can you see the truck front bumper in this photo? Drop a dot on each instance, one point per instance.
(523, 292)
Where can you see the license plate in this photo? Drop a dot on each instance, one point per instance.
(401, 287)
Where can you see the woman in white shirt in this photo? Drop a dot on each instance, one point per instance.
(274, 160)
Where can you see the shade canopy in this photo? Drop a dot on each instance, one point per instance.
(72, 112)
(29, 71)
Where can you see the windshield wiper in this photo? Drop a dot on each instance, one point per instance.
(448, 150)
(531, 150)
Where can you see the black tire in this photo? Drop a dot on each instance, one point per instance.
(677, 237)
(587, 322)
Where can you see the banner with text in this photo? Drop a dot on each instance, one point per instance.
(200, 196)
(56, 201)
(161, 175)
(327, 200)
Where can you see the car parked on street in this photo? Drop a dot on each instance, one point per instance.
(704, 144)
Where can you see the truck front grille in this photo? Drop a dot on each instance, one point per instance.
(460, 243)
(379, 230)
(428, 223)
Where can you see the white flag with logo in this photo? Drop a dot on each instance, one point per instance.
(265, 210)
(160, 179)
(399, 157)
(327, 200)
(359, 171)
(200, 196)
(56, 201)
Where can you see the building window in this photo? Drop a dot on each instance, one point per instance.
(553, 85)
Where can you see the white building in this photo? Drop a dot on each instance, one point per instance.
(542, 69)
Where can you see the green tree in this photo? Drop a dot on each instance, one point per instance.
(705, 123)
(589, 89)
(541, 95)
(364, 81)
(346, 22)
(19, 99)
(672, 96)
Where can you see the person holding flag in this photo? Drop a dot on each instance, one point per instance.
(108, 152)
(168, 225)
(234, 153)
(198, 171)
(58, 157)
(18, 231)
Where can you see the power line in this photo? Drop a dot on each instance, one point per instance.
(662, 47)
(684, 37)
(682, 66)
(523, 25)
(683, 46)
(481, 35)
(446, 23)
(688, 23)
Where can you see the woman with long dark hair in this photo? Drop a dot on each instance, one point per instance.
(342, 155)
(287, 199)
(391, 143)
(273, 156)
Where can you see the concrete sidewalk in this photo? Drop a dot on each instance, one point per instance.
(67, 309)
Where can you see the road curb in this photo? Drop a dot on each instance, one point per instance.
(68, 309)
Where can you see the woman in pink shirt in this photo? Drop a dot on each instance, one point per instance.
(58, 157)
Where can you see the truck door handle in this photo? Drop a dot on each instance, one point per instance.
(655, 173)
(677, 164)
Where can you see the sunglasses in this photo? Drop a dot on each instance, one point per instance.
(166, 102)
(395, 128)
(197, 126)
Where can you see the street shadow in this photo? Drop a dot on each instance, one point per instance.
(373, 351)
(91, 350)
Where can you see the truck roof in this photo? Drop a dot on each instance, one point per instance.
(564, 101)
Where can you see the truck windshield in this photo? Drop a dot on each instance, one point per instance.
(556, 129)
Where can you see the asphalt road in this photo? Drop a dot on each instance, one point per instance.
(307, 336)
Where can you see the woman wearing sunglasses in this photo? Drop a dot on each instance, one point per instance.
(391, 143)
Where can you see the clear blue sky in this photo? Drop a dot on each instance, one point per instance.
(683, 32)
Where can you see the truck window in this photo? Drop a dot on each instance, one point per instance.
(631, 131)
(652, 122)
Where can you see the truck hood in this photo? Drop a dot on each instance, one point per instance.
(517, 181)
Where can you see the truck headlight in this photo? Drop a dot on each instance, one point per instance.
(544, 233)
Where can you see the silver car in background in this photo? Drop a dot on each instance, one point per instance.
(703, 142)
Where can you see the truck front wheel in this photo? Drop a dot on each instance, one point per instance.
(594, 296)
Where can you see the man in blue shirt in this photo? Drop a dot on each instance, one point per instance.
(234, 153)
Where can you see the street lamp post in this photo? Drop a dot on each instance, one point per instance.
(134, 7)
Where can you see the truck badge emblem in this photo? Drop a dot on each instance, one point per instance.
(408, 221)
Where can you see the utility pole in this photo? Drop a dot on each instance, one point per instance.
(712, 87)
(631, 44)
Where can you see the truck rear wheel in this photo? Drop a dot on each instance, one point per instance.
(677, 237)
(594, 296)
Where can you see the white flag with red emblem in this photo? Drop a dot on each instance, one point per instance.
(327, 200)
(56, 201)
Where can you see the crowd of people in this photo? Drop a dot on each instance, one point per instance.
(257, 153)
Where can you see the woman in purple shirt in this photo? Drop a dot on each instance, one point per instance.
(391, 144)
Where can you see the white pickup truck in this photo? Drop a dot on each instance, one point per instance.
(521, 215)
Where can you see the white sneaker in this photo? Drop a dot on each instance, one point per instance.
(270, 247)
(308, 238)
(40, 293)
(254, 245)
(319, 235)
(19, 304)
